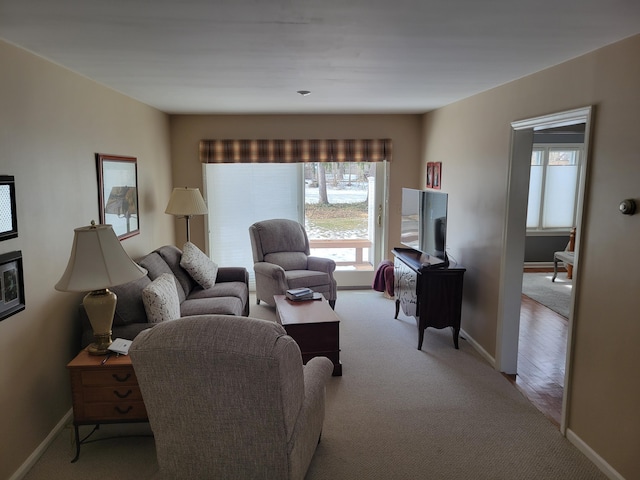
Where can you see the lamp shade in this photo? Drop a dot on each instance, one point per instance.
(186, 201)
(97, 261)
(122, 201)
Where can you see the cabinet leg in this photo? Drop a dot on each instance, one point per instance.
(456, 333)
(397, 308)
(420, 338)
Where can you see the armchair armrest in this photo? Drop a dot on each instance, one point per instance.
(320, 264)
(317, 373)
(270, 270)
(232, 274)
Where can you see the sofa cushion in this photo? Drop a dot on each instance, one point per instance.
(156, 266)
(172, 256)
(130, 308)
(161, 300)
(206, 306)
(201, 268)
(238, 290)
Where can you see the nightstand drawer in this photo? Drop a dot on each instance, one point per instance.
(108, 376)
(115, 393)
(114, 411)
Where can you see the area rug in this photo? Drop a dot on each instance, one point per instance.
(554, 295)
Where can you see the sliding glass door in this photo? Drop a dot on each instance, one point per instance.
(342, 205)
(344, 211)
(240, 194)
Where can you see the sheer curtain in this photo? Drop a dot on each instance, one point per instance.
(240, 194)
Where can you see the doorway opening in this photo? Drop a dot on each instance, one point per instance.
(511, 274)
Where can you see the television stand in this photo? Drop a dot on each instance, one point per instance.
(430, 293)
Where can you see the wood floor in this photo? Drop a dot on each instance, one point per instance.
(541, 357)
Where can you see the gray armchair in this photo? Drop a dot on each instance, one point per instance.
(282, 261)
(228, 397)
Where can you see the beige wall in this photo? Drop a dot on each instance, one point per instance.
(404, 130)
(472, 139)
(52, 122)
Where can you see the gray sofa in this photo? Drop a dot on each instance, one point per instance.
(229, 295)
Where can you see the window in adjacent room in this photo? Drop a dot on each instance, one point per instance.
(553, 187)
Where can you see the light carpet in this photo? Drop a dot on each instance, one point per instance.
(554, 295)
(396, 413)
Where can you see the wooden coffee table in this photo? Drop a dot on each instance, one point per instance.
(314, 326)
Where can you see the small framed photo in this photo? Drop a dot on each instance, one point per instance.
(11, 284)
(8, 215)
(429, 174)
(437, 175)
(118, 194)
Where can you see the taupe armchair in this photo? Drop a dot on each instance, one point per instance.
(228, 397)
(282, 261)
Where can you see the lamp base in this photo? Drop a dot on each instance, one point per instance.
(100, 306)
(101, 345)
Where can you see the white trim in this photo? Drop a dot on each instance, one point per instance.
(478, 347)
(569, 117)
(39, 451)
(538, 264)
(596, 459)
(560, 232)
(512, 256)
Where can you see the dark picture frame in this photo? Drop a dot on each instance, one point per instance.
(11, 284)
(118, 193)
(8, 214)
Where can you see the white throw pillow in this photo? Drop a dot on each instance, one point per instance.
(160, 299)
(201, 268)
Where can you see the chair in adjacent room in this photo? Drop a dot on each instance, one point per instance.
(229, 397)
(282, 261)
(565, 256)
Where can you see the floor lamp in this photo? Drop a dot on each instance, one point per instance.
(186, 202)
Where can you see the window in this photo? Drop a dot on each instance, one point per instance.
(240, 194)
(348, 229)
(553, 187)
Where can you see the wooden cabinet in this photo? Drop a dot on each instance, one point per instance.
(104, 392)
(314, 326)
(430, 294)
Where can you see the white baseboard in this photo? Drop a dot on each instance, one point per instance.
(597, 460)
(37, 453)
(538, 265)
(478, 347)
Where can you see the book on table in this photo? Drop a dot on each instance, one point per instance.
(299, 294)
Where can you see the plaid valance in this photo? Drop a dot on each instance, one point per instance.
(292, 151)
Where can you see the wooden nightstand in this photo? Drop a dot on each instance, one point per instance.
(104, 392)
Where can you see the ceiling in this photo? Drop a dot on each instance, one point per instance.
(354, 56)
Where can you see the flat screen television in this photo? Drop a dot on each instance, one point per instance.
(424, 224)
